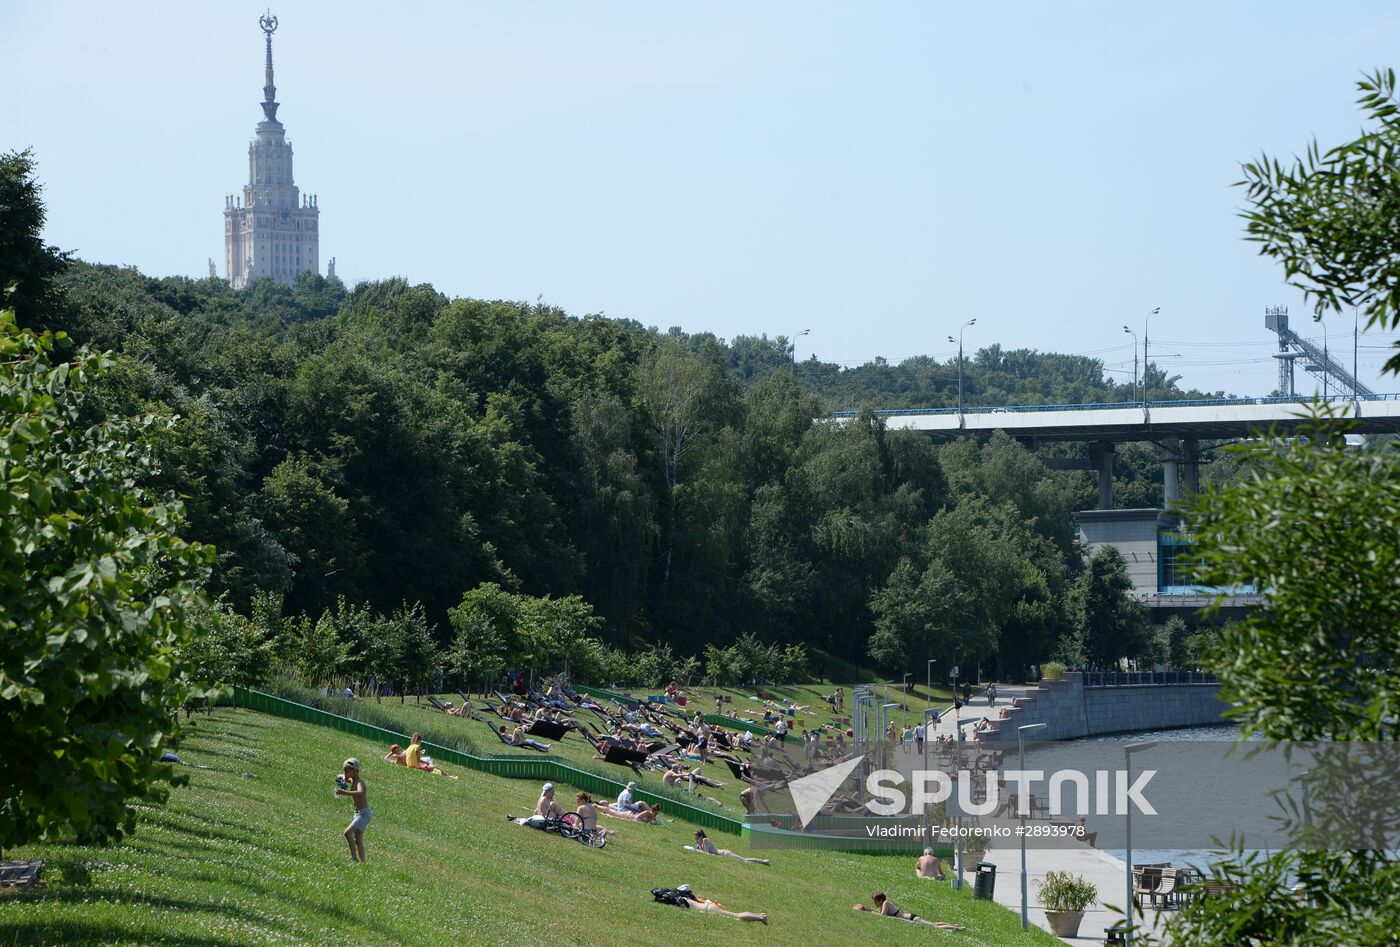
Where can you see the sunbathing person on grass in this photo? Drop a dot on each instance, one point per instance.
(928, 866)
(587, 814)
(705, 845)
(627, 808)
(679, 774)
(686, 898)
(887, 908)
(518, 738)
(415, 754)
(546, 807)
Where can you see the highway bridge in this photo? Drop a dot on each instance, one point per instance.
(1205, 419)
(1176, 426)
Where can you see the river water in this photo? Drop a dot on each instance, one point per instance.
(1175, 856)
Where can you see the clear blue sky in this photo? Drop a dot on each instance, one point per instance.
(878, 173)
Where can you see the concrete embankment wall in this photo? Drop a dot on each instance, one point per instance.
(1070, 710)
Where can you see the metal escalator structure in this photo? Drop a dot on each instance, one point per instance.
(1316, 362)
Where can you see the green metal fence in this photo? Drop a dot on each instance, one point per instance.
(729, 723)
(511, 767)
(607, 695)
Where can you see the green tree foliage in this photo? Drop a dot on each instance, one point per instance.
(991, 376)
(388, 445)
(1313, 522)
(97, 601)
(230, 648)
(313, 525)
(983, 584)
(1176, 633)
(487, 642)
(688, 399)
(498, 630)
(315, 650)
(1003, 472)
(1108, 624)
(1330, 218)
(27, 264)
(415, 655)
(1320, 662)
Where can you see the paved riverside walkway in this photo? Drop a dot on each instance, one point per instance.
(977, 707)
(1103, 870)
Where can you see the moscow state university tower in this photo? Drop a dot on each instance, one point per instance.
(272, 230)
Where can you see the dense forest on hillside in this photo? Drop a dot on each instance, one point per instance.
(388, 446)
(992, 376)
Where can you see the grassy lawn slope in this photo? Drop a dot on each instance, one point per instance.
(251, 853)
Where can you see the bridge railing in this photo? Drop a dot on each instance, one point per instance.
(1146, 678)
(1121, 405)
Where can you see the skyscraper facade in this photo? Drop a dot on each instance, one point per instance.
(272, 230)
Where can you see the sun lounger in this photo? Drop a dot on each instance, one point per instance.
(622, 757)
(20, 874)
(654, 756)
(506, 739)
(437, 704)
(548, 730)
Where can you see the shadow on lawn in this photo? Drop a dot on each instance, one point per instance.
(40, 930)
(84, 932)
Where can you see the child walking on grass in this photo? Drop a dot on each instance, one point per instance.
(351, 784)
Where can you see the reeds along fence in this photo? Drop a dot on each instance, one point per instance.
(510, 767)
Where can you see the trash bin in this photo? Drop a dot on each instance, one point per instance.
(986, 881)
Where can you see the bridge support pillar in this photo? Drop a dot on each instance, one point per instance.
(1171, 469)
(1191, 466)
(1101, 455)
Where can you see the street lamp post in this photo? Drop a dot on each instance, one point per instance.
(930, 682)
(1021, 806)
(1355, 342)
(1128, 752)
(959, 340)
(929, 714)
(1135, 375)
(957, 767)
(1145, 320)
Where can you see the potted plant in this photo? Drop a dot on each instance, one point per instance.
(1065, 897)
(974, 844)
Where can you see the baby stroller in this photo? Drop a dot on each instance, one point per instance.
(569, 827)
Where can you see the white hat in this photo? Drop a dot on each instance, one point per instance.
(685, 888)
(548, 787)
(351, 763)
(631, 785)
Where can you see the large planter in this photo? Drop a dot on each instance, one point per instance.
(1064, 923)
